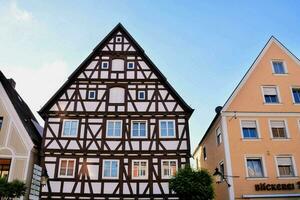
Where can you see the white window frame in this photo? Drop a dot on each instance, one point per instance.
(277, 91)
(285, 126)
(174, 126)
(67, 159)
(103, 168)
(130, 62)
(146, 128)
(257, 129)
(262, 159)
(217, 131)
(138, 96)
(204, 150)
(162, 171)
(63, 127)
(119, 37)
(147, 169)
(121, 129)
(284, 66)
(102, 64)
(92, 91)
(1, 122)
(291, 88)
(294, 167)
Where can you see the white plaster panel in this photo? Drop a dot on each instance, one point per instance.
(113, 144)
(145, 145)
(55, 186)
(130, 74)
(96, 188)
(116, 95)
(170, 145)
(117, 65)
(104, 74)
(142, 187)
(68, 186)
(118, 47)
(53, 145)
(93, 171)
(50, 159)
(54, 108)
(141, 106)
(126, 189)
(143, 65)
(161, 107)
(86, 188)
(165, 187)
(132, 94)
(83, 93)
(109, 187)
(156, 189)
(170, 105)
(90, 106)
(71, 106)
(50, 169)
(73, 145)
(135, 145)
(133, 186)
(77, 190)
(183, 145)
(140, 75)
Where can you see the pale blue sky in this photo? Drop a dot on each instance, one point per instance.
(202, 47)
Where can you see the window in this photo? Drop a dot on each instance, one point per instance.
(139, 169)
(249, 129)
(270, 95)
(110, 168)
(92, 94)
(104, 64)
(70, 128)
(219, 136)
(169, 168)
(4, 168)
(278, 129)
(139, 129)
(130, 65)
(114, 128)
(119, 39)
(67, 168)
(141, 95)
(285, 166)
(167, 128)
(1, 122)
(221, 167)
(204, 153)
(255, 168)
(278, 67)
(296, 95)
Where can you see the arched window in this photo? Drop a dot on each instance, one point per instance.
(116, 95)
(117, 65)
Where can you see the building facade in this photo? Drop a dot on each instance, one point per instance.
(254, 138)
(116, 129)
(20, 135)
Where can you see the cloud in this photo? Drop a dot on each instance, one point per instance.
(37, 85)
(19, 14)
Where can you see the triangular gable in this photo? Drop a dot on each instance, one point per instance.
(254, 65)
(110, 39)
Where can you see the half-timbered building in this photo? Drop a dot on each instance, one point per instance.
(116, 129)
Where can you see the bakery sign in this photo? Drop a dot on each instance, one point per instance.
(277, 186)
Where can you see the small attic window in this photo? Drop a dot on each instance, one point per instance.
(118, 39)
(104, 65)
(130, 65)
(1, 122)
(92, 94)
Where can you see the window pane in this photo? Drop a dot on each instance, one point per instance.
(278, 67)
(249, 133)
(117, 128)
(163, 128)
(296, 94)
(110, 130)
(67, 128)
(74, 125)
(63, 168)
(114, 169)
(254, 168)
(106, 168)
(142, 129)
(171, 128)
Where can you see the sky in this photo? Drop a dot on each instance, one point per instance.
(202, 47)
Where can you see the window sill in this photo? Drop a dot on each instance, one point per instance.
(281, 139)
(296, 104)
(256, 178)
(288, 177)
(251, 140)
(273, 104)
(285, 74)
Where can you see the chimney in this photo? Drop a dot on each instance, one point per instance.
(12, 82)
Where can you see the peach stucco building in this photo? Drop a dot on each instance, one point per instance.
(255, 136)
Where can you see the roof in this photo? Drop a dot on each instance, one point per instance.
(245, 78)
(26, 116)
(96, 50)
